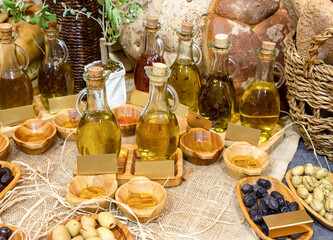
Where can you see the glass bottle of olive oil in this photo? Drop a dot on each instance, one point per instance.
(98, 131)
(55, 76)
(157, 132)
(15, 84)
(217, 97)
(260, 104)
(185, 75)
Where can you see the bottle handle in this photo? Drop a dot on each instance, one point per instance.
(197, 48)
(282, 78)
(236, 65)
(64, 49)
(79, 97)
(25, 57)
(160, 45)
(174, 95)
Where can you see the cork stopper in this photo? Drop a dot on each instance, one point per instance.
(6, 30)
(95, 72)
(152, 21)
(221, 41)
(160, 69)
(187, 27)
(268, 47)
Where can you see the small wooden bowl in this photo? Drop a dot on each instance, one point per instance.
(4, 147)
(182, 124)
(16, 173)
(142, 185)
(202, 157)
(316, 215)
(127, 111)
(244, 148)
(19, 235)
(66, 122)
(78, 183)
(120, 232)
(35, 136)
(276, 186)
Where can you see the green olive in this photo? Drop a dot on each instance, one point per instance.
(296, 181)
(309, 199)
(322, 212)
(329, 216)
(309, 169)
(297, 171)
(302, 192)
(328, 194)
(321, 173)
(327, 184)
(316, 205)
(329, 205)
(308, 183)
(318, 194)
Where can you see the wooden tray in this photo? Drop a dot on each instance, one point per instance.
(16, 173)
(276, 186)
(121, 232)
(319, 218)
(126, 167)
(19, 235)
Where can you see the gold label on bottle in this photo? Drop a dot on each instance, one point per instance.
(97, 164)
(236, 133)
(156, 169)
(16, 115)
(58, 103)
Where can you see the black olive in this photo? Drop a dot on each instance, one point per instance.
(293, 206)
(6, 232)
(3, 238)
(272, 212)
(250, 199)
(276, 194)
(273, 204)
(281, 202)
(253, 212)
(247, 188)
(266, 199)
(2, 172)
(264, 183)
(255, 206)
(257, 218)
(264, 228)
(263, 208)
(295, 236)
(7, 170)
(6, 179)
(262, 192)
(281, 238)
(2, 187)
(284, 210)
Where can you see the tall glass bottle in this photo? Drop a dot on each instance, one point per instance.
(157, 132)
(98, 131)
(55, 76)
(217, 97)
(185, 75)
(153, 52)
(15, 84)
(260, 104)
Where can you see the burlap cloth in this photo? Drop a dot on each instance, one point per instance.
(203, 207)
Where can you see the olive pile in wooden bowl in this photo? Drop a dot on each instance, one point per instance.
(5, 233)
(6, 176)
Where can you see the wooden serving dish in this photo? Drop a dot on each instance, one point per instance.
(204, 154)
(4, 146)
(66, 122)
(120, 232)
(19, 235)
(78, 183)
(142, 185)
(127, 111)
(16, 173)
(126, 167)
(35, 136)
(276, 186)
(316, 215)
(244, 148)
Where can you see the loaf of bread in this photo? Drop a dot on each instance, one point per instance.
(315, 17)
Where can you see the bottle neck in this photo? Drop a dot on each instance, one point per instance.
(9, 64)
(158, 99)
(220, 62)
(265, 69)
(185, 51)
(150, 41)
(52, 48)
(95, 99)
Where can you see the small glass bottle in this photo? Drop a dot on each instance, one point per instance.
(153, 52)
(98, 131)
(15, 84)
(260, 104)
(217, 97)
(185, 75)
(55, 76)
(157, 132)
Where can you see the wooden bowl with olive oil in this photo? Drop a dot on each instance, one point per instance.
(35, 136)
(66, 122)
(127, 117)
(243, 159)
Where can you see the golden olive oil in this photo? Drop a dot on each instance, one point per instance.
(157, 135)
(98, 133)
(141, 201)
(245, 161)
(185, 78)
(260, 108)
(201, 146)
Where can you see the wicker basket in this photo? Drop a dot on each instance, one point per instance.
(81, 35)
(310, 93)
